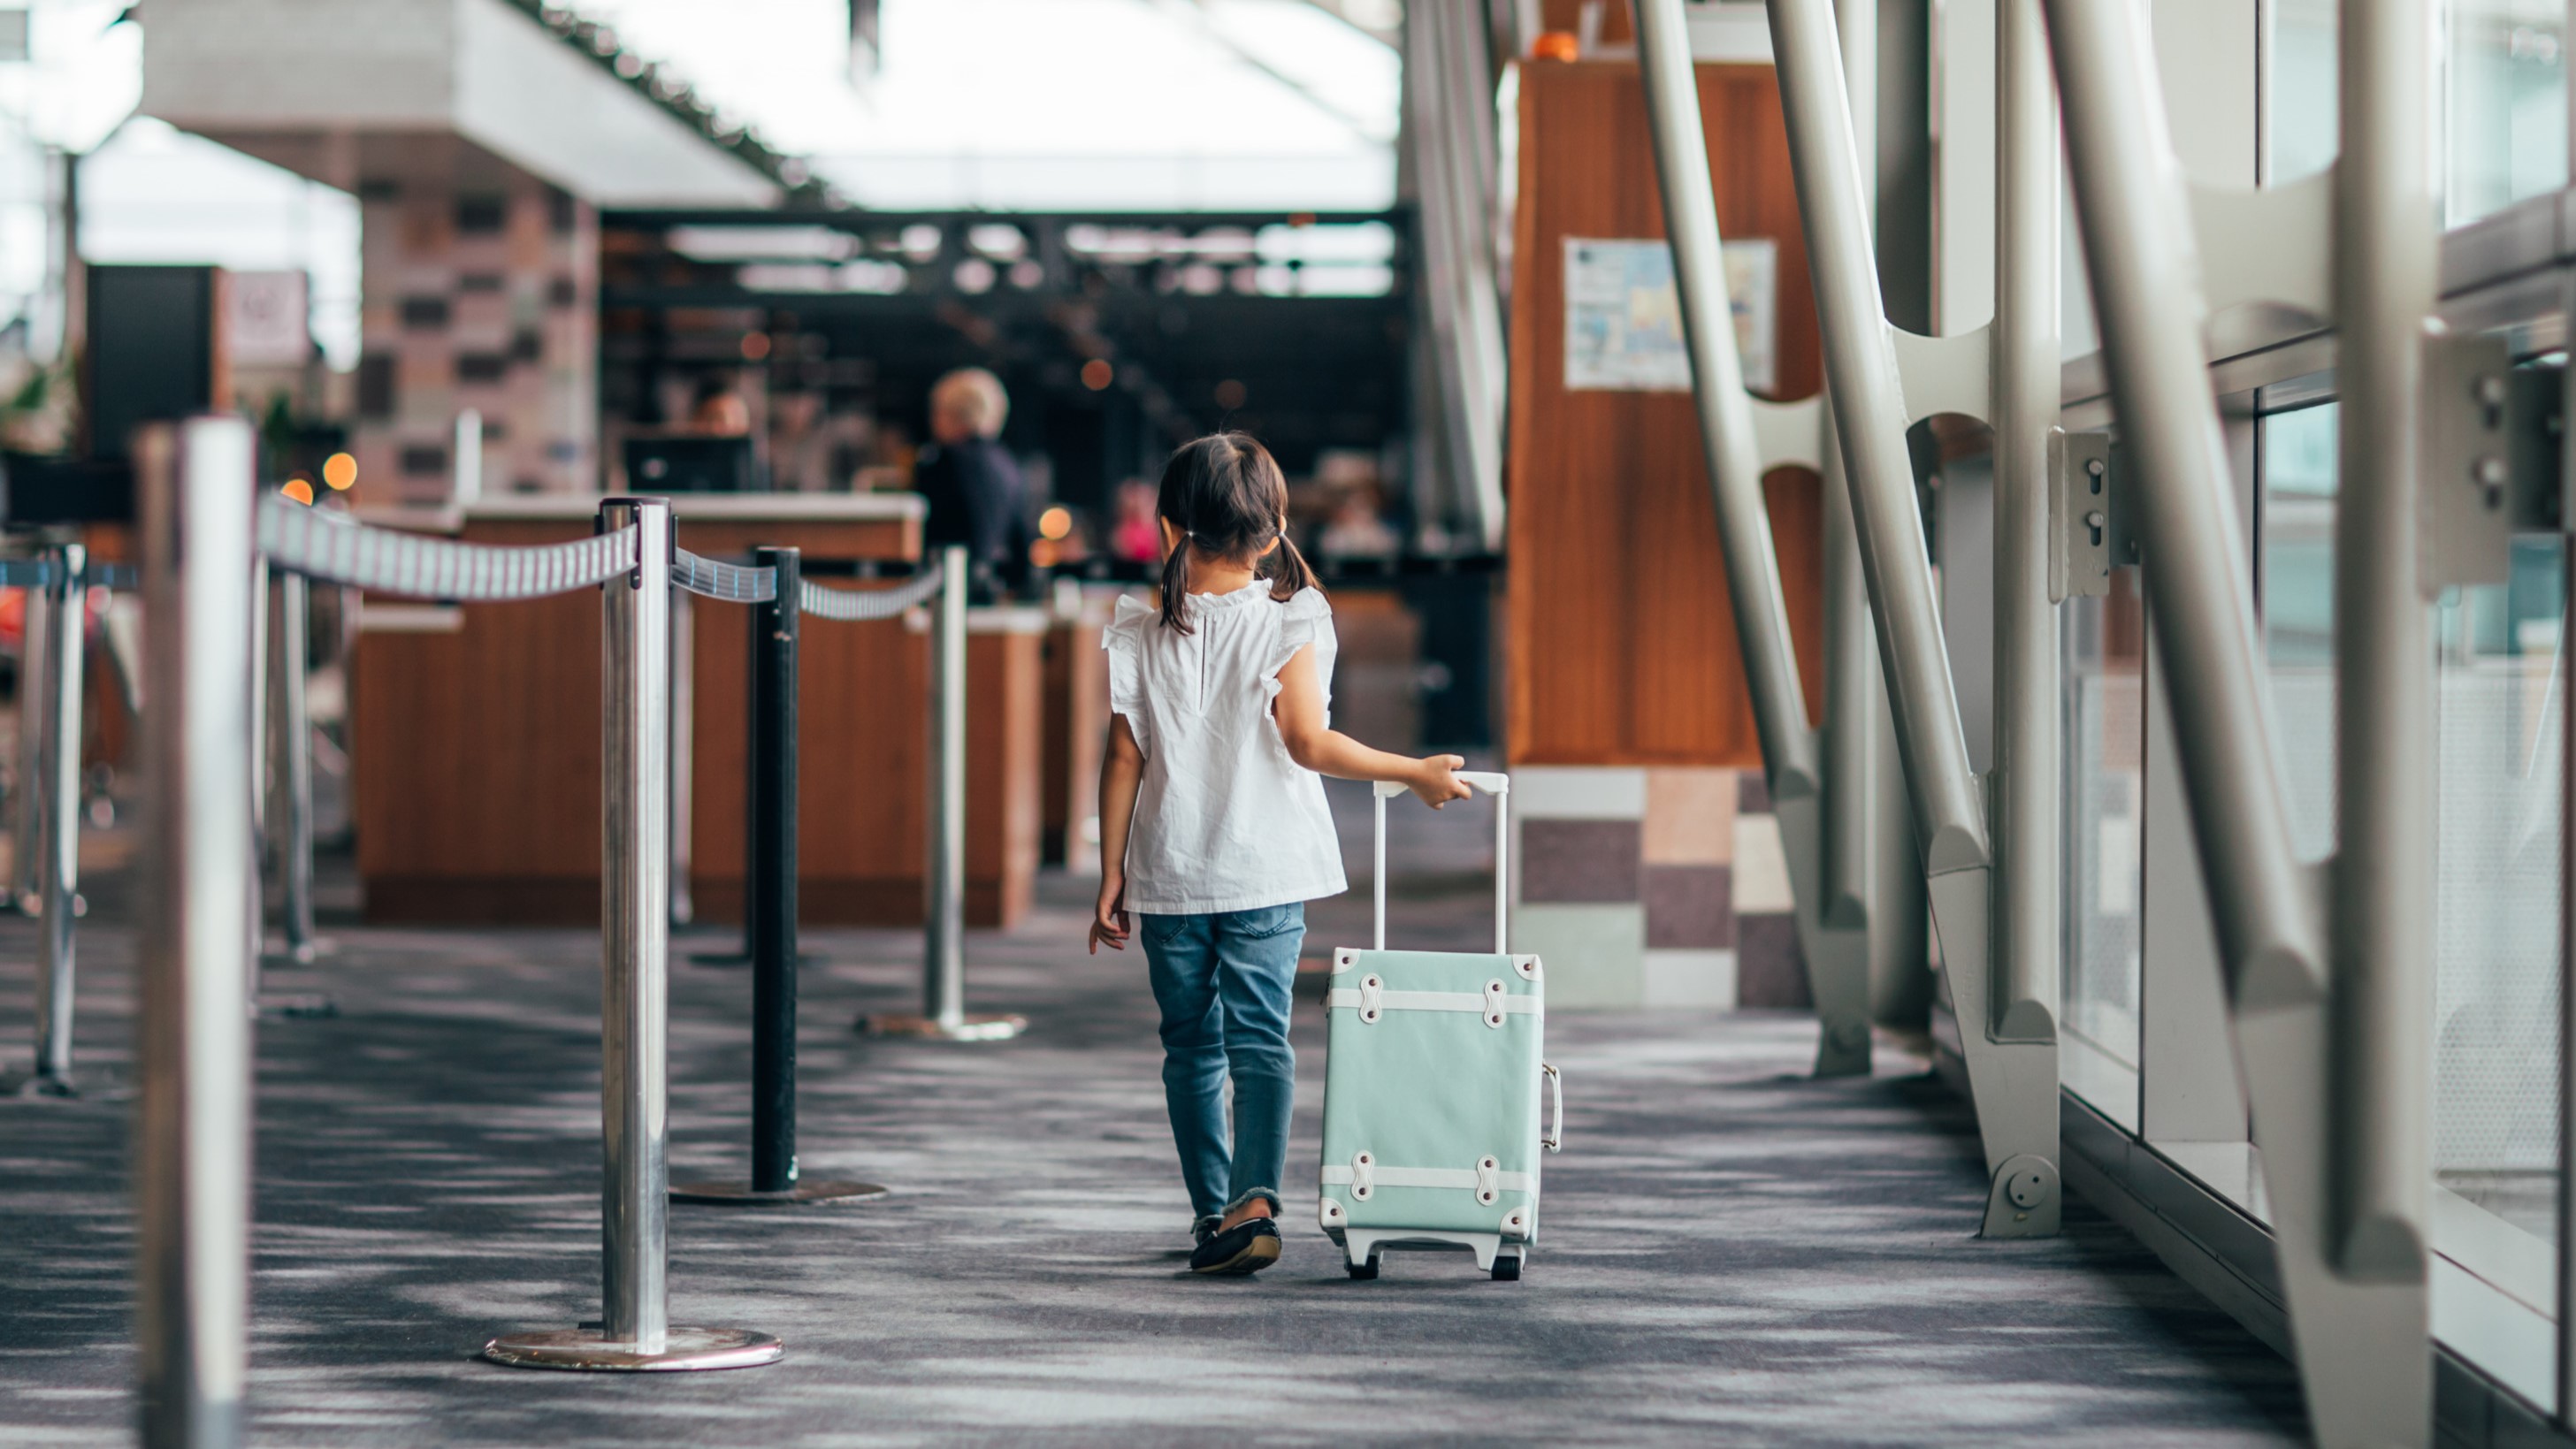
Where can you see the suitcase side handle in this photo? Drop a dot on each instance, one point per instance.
(1555, 1138)
(1492, 782)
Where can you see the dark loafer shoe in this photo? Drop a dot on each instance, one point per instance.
(1247, 1247)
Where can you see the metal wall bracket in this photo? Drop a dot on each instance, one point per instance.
(2090, 530)
(2492, 442)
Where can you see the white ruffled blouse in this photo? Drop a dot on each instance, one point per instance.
(1225, 821)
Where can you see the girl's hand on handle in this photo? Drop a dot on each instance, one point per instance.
(1435, 780)
(1109, 918)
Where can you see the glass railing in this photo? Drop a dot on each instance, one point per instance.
(2499, 842)
(2104, 830)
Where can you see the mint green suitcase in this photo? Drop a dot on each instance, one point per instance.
(1432, 1069)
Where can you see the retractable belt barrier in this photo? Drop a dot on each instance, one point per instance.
(207, 537)
(327, 546)
(854, 606)
(208, 540)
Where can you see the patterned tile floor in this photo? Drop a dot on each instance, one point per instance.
(1732, 1255)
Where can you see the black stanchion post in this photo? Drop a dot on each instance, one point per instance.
(770, 904)
(769, 909)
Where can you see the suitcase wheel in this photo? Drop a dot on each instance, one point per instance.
(1364, 1270)
(1506, 1269)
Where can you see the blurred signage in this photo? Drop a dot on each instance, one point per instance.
(265, 321)
(1623, 319)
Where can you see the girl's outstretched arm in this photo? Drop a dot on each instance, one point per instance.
(1122, 766)
(1299, 709)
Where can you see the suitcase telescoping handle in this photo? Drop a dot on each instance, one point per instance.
(1492, 782)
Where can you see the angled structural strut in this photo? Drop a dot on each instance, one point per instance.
(2007, 1036)
(1836, 946)
(2343, 1159)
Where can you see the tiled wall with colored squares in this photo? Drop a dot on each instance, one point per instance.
(1653, 887)
(483, 298)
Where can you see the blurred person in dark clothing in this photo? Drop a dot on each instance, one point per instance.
(976, 495)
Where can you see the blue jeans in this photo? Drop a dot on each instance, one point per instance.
(1224, 983)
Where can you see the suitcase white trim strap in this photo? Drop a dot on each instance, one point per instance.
(1359, 1001)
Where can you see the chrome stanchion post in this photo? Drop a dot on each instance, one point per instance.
(272, 660)
(291, 771)
(27, 851)
(684, 740)
(57, 787)
(192, 1146)
(634, 937)
(944, 936)
(945, 944)
(769, 909)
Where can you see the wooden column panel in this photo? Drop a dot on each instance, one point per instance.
(1622, 637)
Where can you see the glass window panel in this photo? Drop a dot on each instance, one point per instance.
(2299, 105)
(2297, 583)
(2504, 99)
(2499, 840)
(2505, 103)
(2105, 648)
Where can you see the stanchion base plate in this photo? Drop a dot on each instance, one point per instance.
(682, 1348)
(273, 1006)
(972, 1028)
(37, 1084)
(740, 1194)
(311, 951)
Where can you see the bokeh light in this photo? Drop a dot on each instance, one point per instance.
(1055, 523)
(340, 471)
(299, 489)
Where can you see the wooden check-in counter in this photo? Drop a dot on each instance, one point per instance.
(476, 733)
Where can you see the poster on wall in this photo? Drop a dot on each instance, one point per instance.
(1623, 320)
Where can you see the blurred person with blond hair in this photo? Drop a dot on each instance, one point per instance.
(974, 489)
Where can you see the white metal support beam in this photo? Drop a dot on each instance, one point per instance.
(1883, 380)
(2331, 1038)
(1742, 437)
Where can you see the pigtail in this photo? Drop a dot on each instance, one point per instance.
(1288, 571)
(1176, 588)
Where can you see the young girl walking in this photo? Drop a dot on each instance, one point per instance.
(1213, 827)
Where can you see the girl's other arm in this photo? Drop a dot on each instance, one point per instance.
(1122, 766)
(1299, 710)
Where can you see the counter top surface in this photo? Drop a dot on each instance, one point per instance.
(687, 507)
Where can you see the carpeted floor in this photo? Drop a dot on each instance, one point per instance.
(1732, 1254)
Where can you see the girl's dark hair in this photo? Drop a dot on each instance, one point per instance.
(1225, 493)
